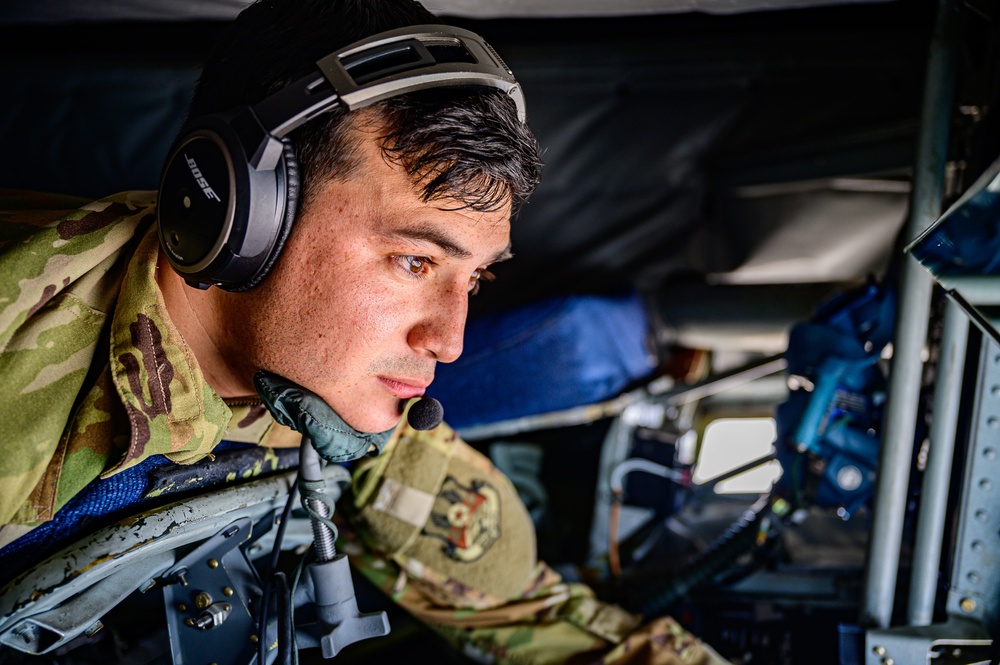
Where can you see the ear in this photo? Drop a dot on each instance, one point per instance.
(227, 200)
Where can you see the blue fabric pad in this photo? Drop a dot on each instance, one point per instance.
(551, 355)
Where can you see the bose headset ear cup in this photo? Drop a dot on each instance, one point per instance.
(219, 218)
(198, 203)
(291, 181)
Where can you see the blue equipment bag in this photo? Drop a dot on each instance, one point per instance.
(554, 354)
(830, 427)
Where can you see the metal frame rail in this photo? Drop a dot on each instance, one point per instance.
(973, 584)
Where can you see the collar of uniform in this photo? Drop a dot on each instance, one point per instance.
(251, 422)
(171, 409)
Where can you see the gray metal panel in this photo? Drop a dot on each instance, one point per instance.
(976, 573)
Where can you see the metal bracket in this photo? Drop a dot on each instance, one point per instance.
(207, 595)
(956, 641)
(46, 631)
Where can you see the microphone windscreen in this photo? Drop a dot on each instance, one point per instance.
(426, 413)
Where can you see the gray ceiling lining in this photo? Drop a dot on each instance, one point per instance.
(60, 11)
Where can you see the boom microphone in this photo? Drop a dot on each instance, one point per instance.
(426, 413)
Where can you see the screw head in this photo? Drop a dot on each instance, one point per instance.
(849, 478)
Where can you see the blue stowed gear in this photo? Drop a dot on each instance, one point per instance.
(829, 429)
(306, 412)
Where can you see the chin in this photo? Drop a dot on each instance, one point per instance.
(372, 420)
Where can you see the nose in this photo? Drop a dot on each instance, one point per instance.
(440, 332)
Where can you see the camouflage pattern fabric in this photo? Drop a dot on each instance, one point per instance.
(447, 516)
(543, 620)
(96, 378)
(553, 622)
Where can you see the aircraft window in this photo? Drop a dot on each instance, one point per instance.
(730, 443)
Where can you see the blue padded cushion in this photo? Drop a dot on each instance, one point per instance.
(554, 354)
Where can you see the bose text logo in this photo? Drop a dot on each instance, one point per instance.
(200, 179)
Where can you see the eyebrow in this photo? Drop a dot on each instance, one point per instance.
(450, 247)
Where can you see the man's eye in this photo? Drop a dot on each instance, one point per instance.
(415, 265)
(477, 277)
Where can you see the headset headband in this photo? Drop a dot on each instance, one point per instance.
(390, 63)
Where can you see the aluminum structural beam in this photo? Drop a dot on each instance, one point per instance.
(937, 474)
(910, 334)
(971, 603)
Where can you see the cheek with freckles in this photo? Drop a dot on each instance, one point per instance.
(352, 326)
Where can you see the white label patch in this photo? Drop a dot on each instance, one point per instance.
(403, 502)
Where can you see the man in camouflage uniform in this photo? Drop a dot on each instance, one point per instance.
(109, 358)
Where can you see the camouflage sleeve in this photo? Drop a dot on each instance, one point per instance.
(553, 621)
(51, 317)
(442, 531)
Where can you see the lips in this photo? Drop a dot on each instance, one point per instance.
(404, 388)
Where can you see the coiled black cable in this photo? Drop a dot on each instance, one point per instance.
(286, 632)
(273, 566)
(656, 597)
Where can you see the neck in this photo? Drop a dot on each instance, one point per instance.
(198, 316)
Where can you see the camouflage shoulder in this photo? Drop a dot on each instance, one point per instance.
(48, 255)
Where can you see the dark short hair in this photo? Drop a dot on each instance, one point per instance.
(464, 144)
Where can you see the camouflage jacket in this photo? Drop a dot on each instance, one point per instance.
(95, 377)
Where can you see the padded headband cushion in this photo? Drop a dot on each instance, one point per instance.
(292, 186)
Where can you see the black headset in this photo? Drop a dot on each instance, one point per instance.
(229, 190)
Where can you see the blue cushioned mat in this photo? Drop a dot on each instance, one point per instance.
(554, 354)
